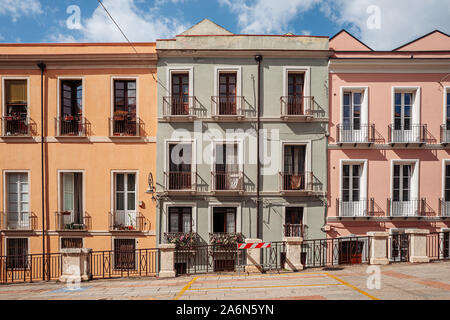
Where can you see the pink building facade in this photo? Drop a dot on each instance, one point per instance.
(389, 142)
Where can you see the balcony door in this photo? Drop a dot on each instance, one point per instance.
(18, 197)
(180, 94)
(71, 111)
(125, 118)
(351, 129)
(224, 220)
(125, 200)
(227, 93)
(180, 168)
(294, 176)
(447, 122)
(72, 199)
(295, 92)
(293, 221)
(16, 107)
(227, 175)
(447, 191)
(351, 204)
(180, 219)
(402, 204)
(404, 129)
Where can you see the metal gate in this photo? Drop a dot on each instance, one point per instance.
(274, 257)
(336, 251)
(209, 258)
(438, 245)
(399, 247)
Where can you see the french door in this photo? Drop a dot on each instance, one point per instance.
(180, 94)
(293, 222)
(352, 131)
(227, 167)
(402, 204)
(404, 130)
(351, 191)
(18, 201)
(180, 219)
(125, 200)
(294, 177)
(72, 201)
(295, 92)
(227, 94)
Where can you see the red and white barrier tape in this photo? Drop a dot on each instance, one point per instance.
(254, 245)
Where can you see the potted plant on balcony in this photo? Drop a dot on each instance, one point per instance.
(68, 117)
(186, 240)
(225, 239)
(119, 115)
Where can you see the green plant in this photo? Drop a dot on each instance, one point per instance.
(182, 240)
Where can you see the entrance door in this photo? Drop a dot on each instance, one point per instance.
(400, 247)
(350, 252)
(293, 222)
(227, 94)
(351, 130)
(124, 254)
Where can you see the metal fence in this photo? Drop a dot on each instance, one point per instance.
(209, 258)
(124, 263)
(336, 251)
(274, 257)
(29, 268)
(399, 247)
(438, 245)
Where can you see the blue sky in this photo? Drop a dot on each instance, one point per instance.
(381, 24)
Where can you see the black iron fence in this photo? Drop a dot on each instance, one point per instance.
(438, 245)
(124, 263)
(336, 251)
(399, 247)
(274, 257)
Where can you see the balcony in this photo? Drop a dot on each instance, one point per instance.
(364, 208)
(68, 221)
(412, 134)
(227, 181)
(350, 134)
(18, 221)
(16, 127)
(179, 181)
(70, 126)
(297, 108)
(179, 107)
(415, 208)
(182, 239)
(445, 135)
(294, 230)
(226, 238)
(126, 221)
(296, 183)
(124, 127)
(444, 208)
(228, 107)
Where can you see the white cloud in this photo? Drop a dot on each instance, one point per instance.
(137, 24)
(267, 16)
(400, 21)
(16, 8)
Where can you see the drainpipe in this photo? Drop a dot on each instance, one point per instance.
(42, 67)
(258, 59)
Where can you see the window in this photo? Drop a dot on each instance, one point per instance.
(16, 108)
(180, 93)
(124, 200)
(352, 111)
(294, 168)
(16, 253)
(351, 182)
(402, 182)
(71, 109)
(224, 220)
(402, 115)
(227, 93)
(124, 254)
(71, 243)
(295, 98)
(72, 200)
(125, 108)
(18, 197)
(448, 110)
(180, 219)
(180, 159)
(293, 222)
(447, 183)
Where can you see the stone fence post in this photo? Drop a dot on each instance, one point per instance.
(293, 253)
(418, 245)
(253, 263)
(167, 262)
(378, 248)
(75, 264)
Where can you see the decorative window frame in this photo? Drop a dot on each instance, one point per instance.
(113, 78)
(168, 205)
(218, 204)
(415, 112)
(364, 90)
(297, 69)
(415, 176)
(363, 190)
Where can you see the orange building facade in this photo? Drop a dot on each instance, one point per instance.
(96, 150)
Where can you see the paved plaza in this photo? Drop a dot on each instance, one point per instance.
(397, 281)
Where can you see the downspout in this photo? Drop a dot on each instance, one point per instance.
(42, 67)
(258, 59)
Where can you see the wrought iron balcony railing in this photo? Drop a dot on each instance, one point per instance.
(18, 221)
(227, 181)
(70, 126)
(444, 208)
(126, 221)
(445, 134)
(302, 181)
(16, 127)
(293, 230)
(182, 239)
(179, 106)
(414, 133)
(348, 133)
(359, 208)
(228, 106)
(297, 106)
(123, 127)
(67, 220)
(179, 181)
(407, 208)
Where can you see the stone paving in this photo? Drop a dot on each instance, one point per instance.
(398, 281)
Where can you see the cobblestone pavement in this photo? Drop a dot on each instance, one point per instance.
(398, 281)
